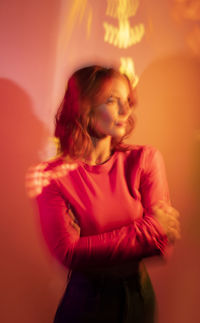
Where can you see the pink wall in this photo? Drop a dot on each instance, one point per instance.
(30, 281)
(37, 55)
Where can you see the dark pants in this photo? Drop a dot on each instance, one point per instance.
(103, 298)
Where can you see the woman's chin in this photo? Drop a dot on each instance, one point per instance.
(118, 133)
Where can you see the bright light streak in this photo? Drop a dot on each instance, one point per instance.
(124, 35)
(127, 67)
(89, 22)
(122, 9)
(79, 10)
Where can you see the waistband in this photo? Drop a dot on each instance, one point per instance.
(123, 271)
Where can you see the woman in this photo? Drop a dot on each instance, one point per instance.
(105, 205)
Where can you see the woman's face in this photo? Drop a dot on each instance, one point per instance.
(111, 112)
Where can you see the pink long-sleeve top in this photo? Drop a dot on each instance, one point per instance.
(111, 203)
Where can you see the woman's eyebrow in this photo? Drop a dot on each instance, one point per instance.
(118, 96)
(115, 93)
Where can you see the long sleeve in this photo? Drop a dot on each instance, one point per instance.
(153, 184)
(154, 187)
(140, 239)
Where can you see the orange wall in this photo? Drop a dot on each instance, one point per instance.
(39, 50)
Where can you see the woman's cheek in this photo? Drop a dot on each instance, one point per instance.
(109, 116)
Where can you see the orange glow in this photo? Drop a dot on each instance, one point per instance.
(187, 9)
(193, 40)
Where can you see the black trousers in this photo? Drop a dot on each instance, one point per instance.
(103, 298)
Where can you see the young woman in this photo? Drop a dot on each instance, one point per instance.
(105, 205)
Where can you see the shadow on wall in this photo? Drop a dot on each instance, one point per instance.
(168, 117)
(24, 272)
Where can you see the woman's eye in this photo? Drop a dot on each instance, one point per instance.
(111, 100)
(130, 103)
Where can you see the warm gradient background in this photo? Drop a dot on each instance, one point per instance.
(42, 42)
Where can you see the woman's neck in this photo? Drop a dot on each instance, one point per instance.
(101, 151)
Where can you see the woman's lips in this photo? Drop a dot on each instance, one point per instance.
(121, 123)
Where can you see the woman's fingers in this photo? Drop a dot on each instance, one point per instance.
(173, 235)
(168, 217)
(167, 208)
(174, 225)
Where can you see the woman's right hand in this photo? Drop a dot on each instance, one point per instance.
(168, 217)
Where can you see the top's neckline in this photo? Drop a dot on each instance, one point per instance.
(103, 167)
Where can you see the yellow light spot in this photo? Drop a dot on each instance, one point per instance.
(127, 67)
(124, 35)
(122, 9)
(78, 13)
(38, 177)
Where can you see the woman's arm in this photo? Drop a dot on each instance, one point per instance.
(155, 194)
(145, 237)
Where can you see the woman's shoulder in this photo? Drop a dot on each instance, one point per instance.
(140, 155)
(55, 163)
(133, 149)
(46, 172)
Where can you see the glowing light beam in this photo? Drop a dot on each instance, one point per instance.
(127, 67)
(124, 36)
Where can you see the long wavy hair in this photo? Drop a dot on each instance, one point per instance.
(74, 116)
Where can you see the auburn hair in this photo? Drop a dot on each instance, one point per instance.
(74, 115)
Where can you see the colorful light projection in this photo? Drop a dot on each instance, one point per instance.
(124, 35)
(79, 10)
(38, 177)
(127, 67)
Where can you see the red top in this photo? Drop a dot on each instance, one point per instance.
(112, 205)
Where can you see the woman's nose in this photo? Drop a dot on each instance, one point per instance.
(124, 108)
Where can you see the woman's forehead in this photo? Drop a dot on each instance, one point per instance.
(115, 86)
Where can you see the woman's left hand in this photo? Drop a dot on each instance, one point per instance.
(168, 217)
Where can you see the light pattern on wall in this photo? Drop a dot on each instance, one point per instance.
(127, 67)
(123, 36)
(79, 10)
(122, 9)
